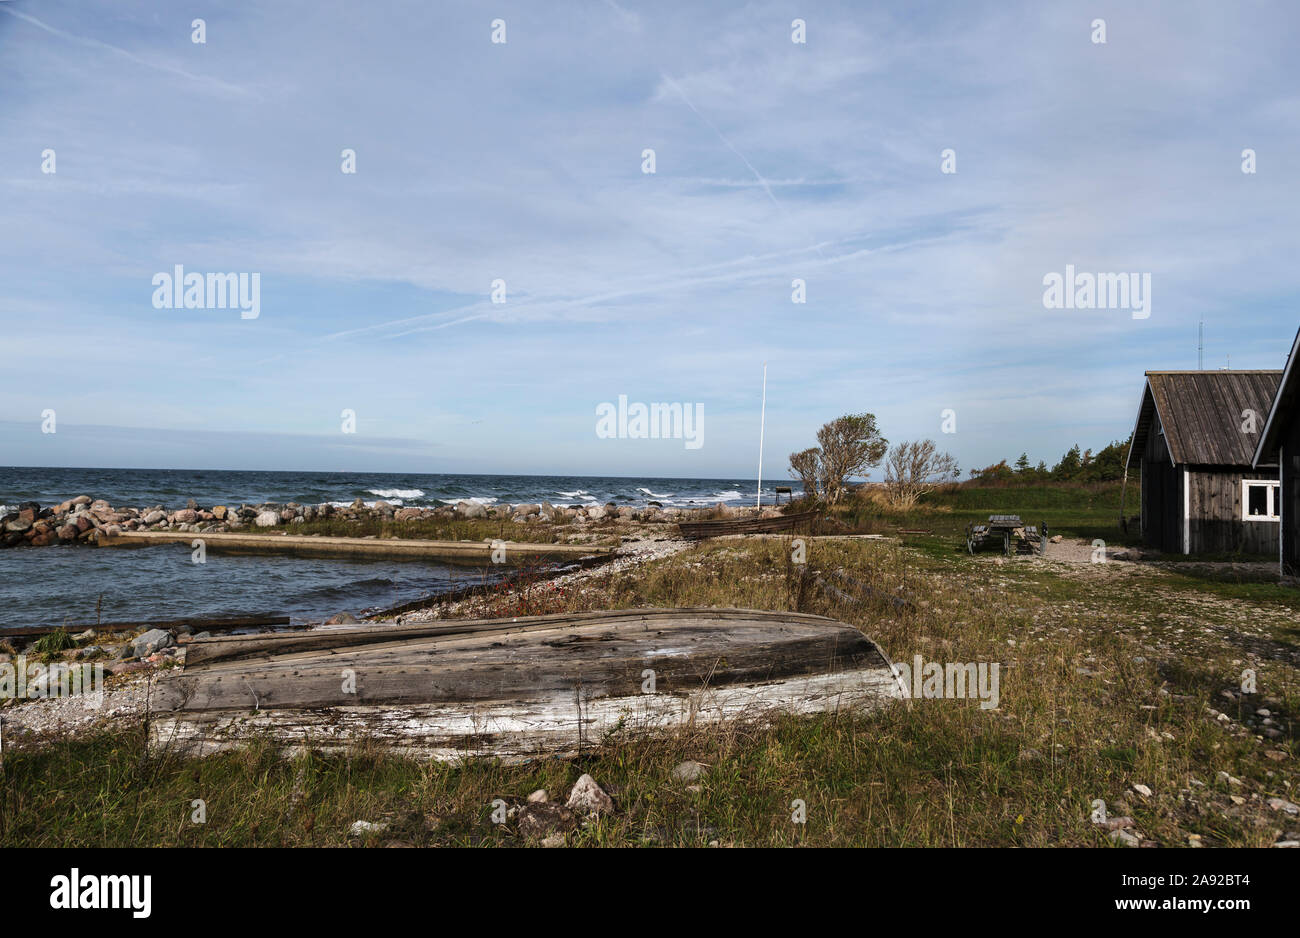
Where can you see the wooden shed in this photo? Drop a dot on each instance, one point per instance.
(1195, 442)
(1279, 445)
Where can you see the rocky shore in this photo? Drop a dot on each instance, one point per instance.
(80, 520)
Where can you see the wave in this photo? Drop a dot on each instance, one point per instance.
(396, 493)
(651, 494)
(578, 494)
(727, 496)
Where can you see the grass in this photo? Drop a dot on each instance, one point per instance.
(1079, 511)
(1111, 676)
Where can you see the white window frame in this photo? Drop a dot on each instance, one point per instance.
(1274, 496)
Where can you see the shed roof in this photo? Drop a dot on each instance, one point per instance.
(1203, 414)
(1286, 404)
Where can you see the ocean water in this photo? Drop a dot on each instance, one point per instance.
(57, 584)
(172, 487)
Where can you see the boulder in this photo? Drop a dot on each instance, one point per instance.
(68, 532)
(100, 504)
(219, 512)
(150, 642)
(407, 514)
(595, 512)
(527, 510)
(343, 618)
(471, 510)
(82, 500)
(185, 516)
(267, 519)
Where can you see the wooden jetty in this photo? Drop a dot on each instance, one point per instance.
(516, 688)
(451, 552)
(798, 521)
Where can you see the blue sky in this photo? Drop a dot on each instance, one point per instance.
(522, 161)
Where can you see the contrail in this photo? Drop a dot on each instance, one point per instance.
(98, 44)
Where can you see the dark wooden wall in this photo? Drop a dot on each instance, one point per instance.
(1291, 499)
(1162, 497)
(1216, 525)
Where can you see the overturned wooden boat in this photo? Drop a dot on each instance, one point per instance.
(799, 521)
(516, 688)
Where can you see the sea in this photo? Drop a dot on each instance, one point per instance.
(75, 584)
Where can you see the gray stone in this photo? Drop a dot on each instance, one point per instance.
(471, 510)
(267, 519)
(688, 771)
(150, 642)
(538, 796)
(589, 798)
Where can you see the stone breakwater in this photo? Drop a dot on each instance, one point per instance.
(80, 520)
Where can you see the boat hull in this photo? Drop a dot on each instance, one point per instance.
(519, 689)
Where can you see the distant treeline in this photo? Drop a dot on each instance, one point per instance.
(1074, 466)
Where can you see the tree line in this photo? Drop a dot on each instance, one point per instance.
(849, 446)
(1106, 465)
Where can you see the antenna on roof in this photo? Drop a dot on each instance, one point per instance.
(1200, 346)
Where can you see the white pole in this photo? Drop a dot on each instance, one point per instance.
(762, 421)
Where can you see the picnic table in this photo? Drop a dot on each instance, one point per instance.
(1006, 531)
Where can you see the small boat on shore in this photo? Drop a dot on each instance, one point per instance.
(516, 688)
(799, 521)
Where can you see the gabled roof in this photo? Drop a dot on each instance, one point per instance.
(1203, 414)
(1283, 410)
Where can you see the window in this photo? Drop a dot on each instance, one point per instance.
(1259, 500)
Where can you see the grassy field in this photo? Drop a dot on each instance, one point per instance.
(1079, 511)
(1113, 676)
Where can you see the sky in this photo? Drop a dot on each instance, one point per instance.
(523, 161)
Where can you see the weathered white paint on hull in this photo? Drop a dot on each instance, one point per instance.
(515, 732)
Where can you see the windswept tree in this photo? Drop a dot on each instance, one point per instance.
(805, 466)
(849, 446)
(913, 469)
